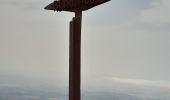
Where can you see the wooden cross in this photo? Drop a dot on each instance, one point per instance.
(76, 6)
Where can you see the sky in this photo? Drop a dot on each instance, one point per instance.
(126, 41)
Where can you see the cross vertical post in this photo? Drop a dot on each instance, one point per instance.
(75, 58)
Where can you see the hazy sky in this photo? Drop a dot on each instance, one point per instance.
(125, 40)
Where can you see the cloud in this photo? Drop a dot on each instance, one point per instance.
(8, 85)
(142, 82)
(53, 99)
(157, 14)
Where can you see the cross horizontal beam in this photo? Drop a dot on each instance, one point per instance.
(73, 5)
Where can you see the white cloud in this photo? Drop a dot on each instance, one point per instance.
(5, 85)
(158, 14)
(53, 99)
(165, 84)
